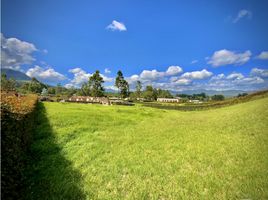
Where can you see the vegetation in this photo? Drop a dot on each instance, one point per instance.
(217, 97)
(94, 86)
(7, 84)
(122, 85)
(17, 124)
(83, 151)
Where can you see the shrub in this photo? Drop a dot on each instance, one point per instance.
(17, 122)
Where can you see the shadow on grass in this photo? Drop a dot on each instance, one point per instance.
(49, 175)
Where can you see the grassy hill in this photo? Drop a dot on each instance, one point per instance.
(84, 151)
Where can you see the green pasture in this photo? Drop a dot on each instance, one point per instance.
(83, 151)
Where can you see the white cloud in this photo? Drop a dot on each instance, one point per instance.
(235, 76)
(81, 76)
(111, 87)
(263, 55)
(194, 61)
(197, 74)
(241, 14)
(183, 81)
(107, 71)
(106, 79)
(249, 81)
(226, 57)
(151, 75)
(154, 75)
(15, 52)
(236, 81)
(218, 77)
(173, 70)
(47, 75)
(116, 26)
(133, 79)
(259, 72)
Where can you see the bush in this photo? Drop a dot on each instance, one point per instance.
(217, 97)
(17, 122)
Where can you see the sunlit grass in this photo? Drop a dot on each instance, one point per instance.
(116, 152)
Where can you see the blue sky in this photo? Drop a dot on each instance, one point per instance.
(174, 45)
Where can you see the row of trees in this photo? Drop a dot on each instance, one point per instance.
(94, 87)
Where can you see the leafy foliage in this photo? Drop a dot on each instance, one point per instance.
(17, 123)
(217, 97)
(7, 84)
(122, 85)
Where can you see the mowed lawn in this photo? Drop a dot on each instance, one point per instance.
(83, 151)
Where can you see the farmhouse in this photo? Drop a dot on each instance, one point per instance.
(169, 100)
(88, 99)
(195, 101)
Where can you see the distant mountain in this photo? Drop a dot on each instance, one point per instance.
(227, 93)
(17, 75)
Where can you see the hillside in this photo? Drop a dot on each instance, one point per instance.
(17, 75)
(116, 152)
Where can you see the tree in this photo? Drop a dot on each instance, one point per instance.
(7, 84)
(217, 97)
(242, 95)
(58, 89)
(138, 89)
(51, 90)
(122, 85)
(86, 89)
(44, 92)
(95, 84)
(150, 93)
(163, 93)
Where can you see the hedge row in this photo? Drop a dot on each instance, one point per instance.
(17, 123)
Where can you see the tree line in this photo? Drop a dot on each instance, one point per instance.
(94, 87)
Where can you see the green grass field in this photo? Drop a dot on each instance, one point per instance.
(83, 151)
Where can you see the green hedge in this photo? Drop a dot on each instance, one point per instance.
(16, 131)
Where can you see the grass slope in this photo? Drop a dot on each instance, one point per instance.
(84, 151)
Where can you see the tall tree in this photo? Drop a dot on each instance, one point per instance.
(95, 83)
(122, 85)
(150, 93)
(138, 89)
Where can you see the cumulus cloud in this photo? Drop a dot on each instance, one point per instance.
(183, 81)
(259, 72)
(106, 79)
(46, 75)
(15, 52)
(133, 79)
(173, 70)
(218, 77)
(263, 55)
(81, 76)
(233, 76)
(226, 57)
(116, 26)
(151, 75)
(236, 81)
(197, 74)
(242, 14)
(107, 71)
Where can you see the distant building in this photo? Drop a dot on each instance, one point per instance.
(195, 101)
(169, 100)
(88, 99)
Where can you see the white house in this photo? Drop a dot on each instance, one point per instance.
(168, 100)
